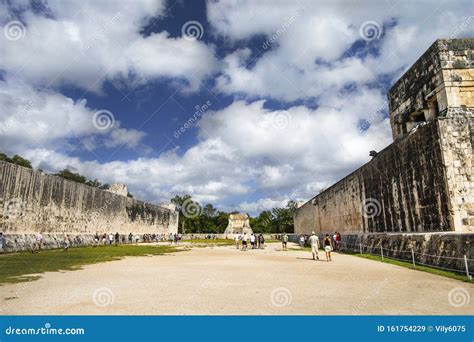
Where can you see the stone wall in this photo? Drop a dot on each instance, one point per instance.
(402, 189)
(35, 202)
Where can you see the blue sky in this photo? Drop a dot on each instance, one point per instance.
(243, 104)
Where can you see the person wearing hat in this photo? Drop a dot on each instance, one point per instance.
(314, 242)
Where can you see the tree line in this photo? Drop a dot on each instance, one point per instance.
(197, 218)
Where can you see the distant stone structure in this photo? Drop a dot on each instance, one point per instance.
(238, 224)
(119, 189)
(33, 202)
(423, 182)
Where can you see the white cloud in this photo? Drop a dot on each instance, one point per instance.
(85, 43)
(44, 118)
(309, 41)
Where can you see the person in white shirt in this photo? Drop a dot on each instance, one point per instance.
(314, 242)
(111, 238)
(237, 240)
(244, 242)
(252, 241)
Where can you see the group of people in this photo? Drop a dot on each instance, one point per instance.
(255, 241)
(116, 239)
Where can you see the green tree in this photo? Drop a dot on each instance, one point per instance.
(5, 158)
(75, 177)
(21, 161)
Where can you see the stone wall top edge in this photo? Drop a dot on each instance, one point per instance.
(67, 181)
(366, 165)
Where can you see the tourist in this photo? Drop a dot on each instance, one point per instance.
(117, 238)
(130, 238)
(104, 239)
(244, 242)
(237, 240)
(252, 241)
(2, 242)
(137, 238)
(327, 243)
(170, 238)
(261, 241)
(338, 241)
(67, 243)
(314, 242)
(111, 238)
(39, 241)
(334, 240)
(302, 241)
(284, 241)
(96, 239)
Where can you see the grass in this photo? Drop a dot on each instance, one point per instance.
(406, 264)
(25, 266)
(211, 242)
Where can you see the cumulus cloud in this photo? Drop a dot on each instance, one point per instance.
(308, 48)
(88, 42)
(44, 118)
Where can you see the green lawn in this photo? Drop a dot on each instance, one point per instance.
(432, 270)
(24, 266)
(211, 242)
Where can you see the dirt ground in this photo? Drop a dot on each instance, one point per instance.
(223, 280)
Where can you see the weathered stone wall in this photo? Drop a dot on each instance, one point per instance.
(441, 78)
(35, 202)
(423, 182)
(402, 189)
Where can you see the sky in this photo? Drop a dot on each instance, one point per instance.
(242, 104)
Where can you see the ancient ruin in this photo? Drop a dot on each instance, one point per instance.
(422, 182)
(34, 202)
(238, 224)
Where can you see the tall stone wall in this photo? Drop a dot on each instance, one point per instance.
(403, 189)
(35, 202)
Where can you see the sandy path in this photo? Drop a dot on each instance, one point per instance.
(223, 280)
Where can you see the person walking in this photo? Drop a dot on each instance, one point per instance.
(237, 240)
(111, 239)
(67, 243)
(261, 241)
(302, 241)
(117, 239)
(2, 242)
(130, 238)
(244, 242)
(284, 241)
(314, 242)
(327, 243)
(96, 239)
(252, 241)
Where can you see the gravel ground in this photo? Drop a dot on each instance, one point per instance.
(223, 280)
